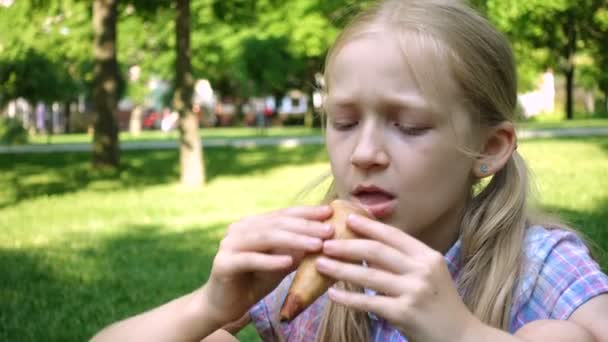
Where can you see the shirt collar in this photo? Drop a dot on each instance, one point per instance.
(453, 260)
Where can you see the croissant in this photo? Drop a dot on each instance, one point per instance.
(309, 284)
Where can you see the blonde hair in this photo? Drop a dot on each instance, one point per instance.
(462, 46)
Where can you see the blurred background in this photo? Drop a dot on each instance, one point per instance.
(133, 132)
(254, 56)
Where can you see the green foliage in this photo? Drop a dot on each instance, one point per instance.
(282, 49)
(249, 47)
(599, 48)
(146, 38)
(530, 62)
(268, 64)
(555, 33)
(12, 132)
(35, 77)
(45, 50)
(235, 12)
(340, 12)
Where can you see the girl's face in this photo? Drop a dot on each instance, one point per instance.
(388, 151)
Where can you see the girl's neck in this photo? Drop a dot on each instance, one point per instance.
(443, 232)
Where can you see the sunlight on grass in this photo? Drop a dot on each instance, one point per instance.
(220, 133)
(81, 248)
(557, 121)
(540, 122)
(570, 173)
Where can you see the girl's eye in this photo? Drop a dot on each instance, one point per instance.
(343, 125)
(410, 130)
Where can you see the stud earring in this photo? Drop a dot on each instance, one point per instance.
(484, 168)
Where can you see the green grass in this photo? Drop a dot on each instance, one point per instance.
(557, 121)
(570, 178)
(543, 122)
(225, 133)
(81, 248)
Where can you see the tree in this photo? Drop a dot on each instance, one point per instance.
(35, 77)
(47, 59)
(562, 27)
(106, 84)
(598, 36)
(155, 16)
(191, 165)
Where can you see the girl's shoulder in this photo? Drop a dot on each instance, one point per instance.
(558, 275)
(265, 315)
(541, 240)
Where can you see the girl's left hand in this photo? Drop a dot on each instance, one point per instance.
(416, 293)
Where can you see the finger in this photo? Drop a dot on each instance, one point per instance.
(304, 226)
(294, 224)
(250, 262)
(372, 278)
(376, 304)
(267, 240)
(376, 254)
(386, 234)
(318, 213)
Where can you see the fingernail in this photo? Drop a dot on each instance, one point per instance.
(328, 228)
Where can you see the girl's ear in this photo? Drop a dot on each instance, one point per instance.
(497, 148)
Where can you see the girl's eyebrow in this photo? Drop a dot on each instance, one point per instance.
(405, 101)
(341, 101)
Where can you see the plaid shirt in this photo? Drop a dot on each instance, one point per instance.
(558, 277)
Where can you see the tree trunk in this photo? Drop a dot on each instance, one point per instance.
(191, 154)
(135, 120)
(105, 85)
(68, 114)
(589, 101)
(569, 72)
(308, 89)
(570, 93)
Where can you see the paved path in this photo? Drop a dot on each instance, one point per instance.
(268, 141)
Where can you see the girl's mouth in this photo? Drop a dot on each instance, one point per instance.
(376, 200)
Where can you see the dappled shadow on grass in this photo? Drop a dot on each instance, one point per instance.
(604, 144)
(231, 162)
(29, 176)
(593, 224)
(67, 293)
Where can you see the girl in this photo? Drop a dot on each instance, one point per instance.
(420, 100)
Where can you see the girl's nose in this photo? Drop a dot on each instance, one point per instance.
(369, 151)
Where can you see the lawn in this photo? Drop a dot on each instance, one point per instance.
(81, 249)
(543, 122)
(220, 133)
(553, 121)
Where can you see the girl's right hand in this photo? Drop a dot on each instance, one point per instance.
(257, 253)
